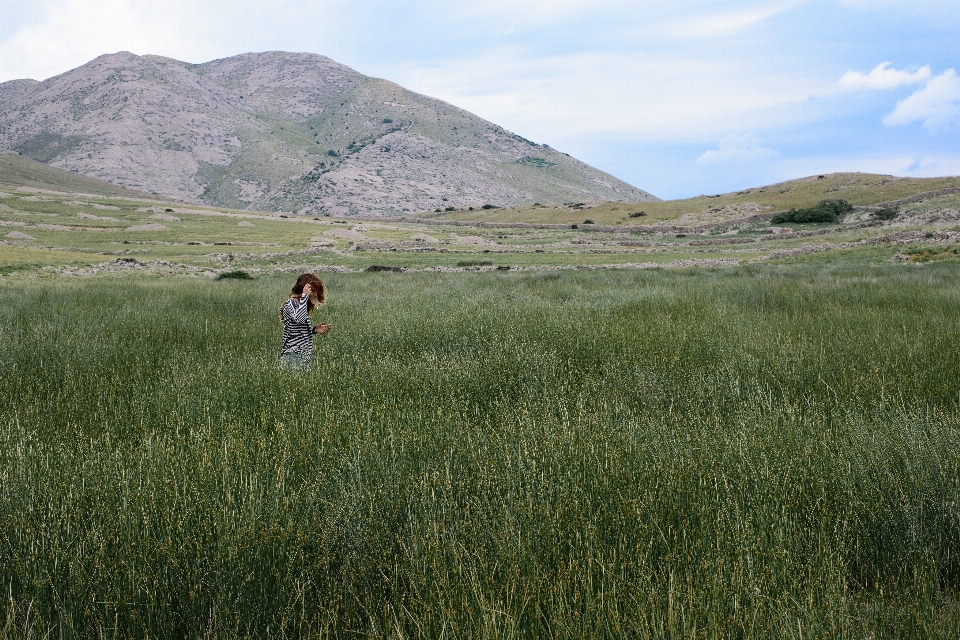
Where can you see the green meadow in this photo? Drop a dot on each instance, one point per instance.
(762, 451)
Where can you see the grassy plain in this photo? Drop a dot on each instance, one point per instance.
(766, 444)
(756, 452)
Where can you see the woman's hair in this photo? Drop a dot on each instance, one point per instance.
(319, 290)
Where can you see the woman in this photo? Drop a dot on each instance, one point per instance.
(307, 294)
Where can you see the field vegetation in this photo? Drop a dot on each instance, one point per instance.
(823, 211)
(753, 452)
(688, 423)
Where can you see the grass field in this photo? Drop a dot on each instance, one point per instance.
(751, 452)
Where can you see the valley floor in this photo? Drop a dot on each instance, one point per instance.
(687, 423)
(750, 452)
(48, 233)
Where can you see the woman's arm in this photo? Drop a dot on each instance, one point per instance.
(296, 310)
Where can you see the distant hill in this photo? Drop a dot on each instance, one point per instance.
(19, 171)
(860, 189)
(283, 131)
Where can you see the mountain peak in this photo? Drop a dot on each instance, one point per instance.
(283, 131)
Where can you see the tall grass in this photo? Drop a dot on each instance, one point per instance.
(741, 453)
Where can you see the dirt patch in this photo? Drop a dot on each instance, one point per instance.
(244, 224)
(346, 234)
(474, 241)
(370, 226)
(19, 235)
(147, 227)
(88, 216)
(166, 217)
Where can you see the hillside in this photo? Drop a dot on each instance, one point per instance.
(19, 171)
(860, 189)
(283, 131)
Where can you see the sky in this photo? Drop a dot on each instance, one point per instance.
(677, 97)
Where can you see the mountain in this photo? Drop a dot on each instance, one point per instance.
(283, 131)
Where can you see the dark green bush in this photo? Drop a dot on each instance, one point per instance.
(235, 275)
(377, 268)
(450, 209)
(474, 263)
(638, 214)
(490, 206)
(824, 211)
(886, 213)
(588, 221)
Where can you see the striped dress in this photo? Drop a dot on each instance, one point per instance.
(297, 330)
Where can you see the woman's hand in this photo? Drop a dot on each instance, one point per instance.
(323, 327)
(307, 290)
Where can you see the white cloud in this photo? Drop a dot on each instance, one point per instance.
(534, 10)
(728, 22)
(882, 77)
(735, 148)
(74, 32)
(642, 96)
(937, 105)
(899, 5)
(70, 33)
(699, 18)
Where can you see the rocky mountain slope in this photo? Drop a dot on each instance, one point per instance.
(20, 172)
(283, 131)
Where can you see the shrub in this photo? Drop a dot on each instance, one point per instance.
(638, 214)
(574, 226)
(490, 206)
(450, 209)
(377, 268)
(387, 121)
(333, 154)
(235, 275)
(824, 211)
(588, 221)
(474, 263)
(886, 213)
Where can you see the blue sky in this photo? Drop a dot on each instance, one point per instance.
(678, 97)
